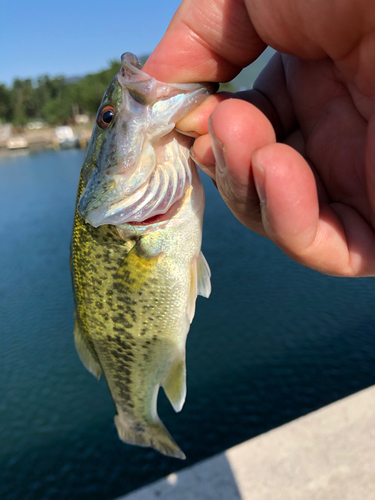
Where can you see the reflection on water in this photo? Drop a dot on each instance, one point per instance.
(274, 341)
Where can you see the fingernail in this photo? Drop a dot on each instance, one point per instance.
(189, 133)
(217, 148)
(259, 181)
(208, 170)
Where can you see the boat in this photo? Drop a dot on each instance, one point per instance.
(65, 138)
(17, 142)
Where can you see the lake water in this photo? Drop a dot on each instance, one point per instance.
(274, 341)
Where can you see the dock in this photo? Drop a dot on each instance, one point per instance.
(45, 138)
(326, 455)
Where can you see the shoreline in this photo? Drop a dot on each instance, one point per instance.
(40, 140)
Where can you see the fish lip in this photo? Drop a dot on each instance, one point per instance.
(87, 202)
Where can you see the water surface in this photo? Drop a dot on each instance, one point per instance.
(275, 341)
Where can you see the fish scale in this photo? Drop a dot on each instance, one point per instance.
(135, 286)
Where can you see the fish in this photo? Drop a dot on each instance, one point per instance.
(136, 259)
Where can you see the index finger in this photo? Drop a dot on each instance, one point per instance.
(207, 40)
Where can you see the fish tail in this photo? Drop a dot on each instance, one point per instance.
(154, 435)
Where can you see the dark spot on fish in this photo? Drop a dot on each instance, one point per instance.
(139, 427)
(125, 395)
(128, 357)
(124, 299)
(120, 329)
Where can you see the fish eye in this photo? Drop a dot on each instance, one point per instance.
(105, 116)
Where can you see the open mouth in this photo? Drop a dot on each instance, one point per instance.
(168, 215)
(151, 220)
(156, 200)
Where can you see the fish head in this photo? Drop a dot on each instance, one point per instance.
(137, 165)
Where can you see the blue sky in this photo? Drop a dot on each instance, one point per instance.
(73, 38)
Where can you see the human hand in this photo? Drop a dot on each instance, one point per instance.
(294, 159)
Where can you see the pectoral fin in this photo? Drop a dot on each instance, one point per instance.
(86, 352)
(204, 277)
(200, 283)
(175, 384)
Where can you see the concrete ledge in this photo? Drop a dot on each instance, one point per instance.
(326, 455)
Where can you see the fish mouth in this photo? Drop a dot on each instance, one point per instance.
(151, 220)
(155, 219)
(156, 222)
(103, 200)
(147, 205)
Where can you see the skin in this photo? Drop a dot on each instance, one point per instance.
(294, 159)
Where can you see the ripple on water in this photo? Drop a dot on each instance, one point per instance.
(274, 341)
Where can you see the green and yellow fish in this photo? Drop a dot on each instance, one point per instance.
(136, 261)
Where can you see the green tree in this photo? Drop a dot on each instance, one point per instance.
(5, 105)
(87, 93)
(22, 101)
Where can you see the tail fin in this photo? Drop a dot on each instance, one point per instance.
(146, 434)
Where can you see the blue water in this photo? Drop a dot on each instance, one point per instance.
(275, 341)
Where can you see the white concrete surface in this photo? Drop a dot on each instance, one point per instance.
(326, 455)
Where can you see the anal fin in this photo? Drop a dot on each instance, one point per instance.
(86, 352)
(175, 384)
